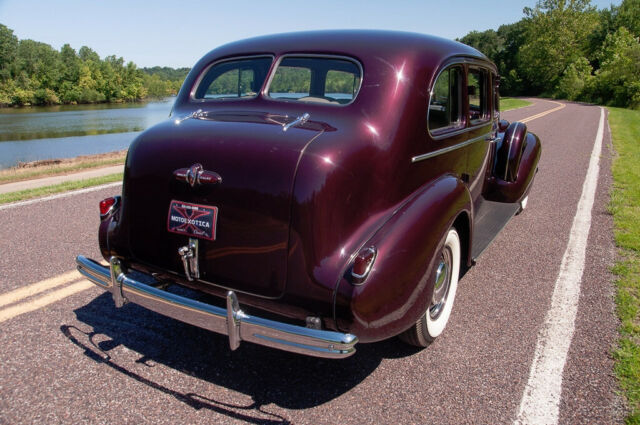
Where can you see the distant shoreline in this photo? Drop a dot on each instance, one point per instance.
(116, 102)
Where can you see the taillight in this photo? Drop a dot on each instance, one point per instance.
(108, 205)
(363, 264)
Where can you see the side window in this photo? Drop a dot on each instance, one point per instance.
(445, 106)
(477, 91)
(234, 79)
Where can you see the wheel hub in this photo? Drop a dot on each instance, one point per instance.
(441, 285)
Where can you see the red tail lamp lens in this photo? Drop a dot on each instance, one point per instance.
(363, 263)
(106, 205)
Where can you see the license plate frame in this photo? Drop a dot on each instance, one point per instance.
(193, 220)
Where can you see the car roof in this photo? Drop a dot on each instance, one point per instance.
(362, 44)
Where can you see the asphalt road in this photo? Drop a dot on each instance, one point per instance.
(68, 356)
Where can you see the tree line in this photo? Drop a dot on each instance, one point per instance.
(568, 49)
(560, 48)
(34, 73)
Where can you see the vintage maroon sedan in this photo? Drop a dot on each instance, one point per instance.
(316, 189)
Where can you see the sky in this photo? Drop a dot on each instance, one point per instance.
(177, 34)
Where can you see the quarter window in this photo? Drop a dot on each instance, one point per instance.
(445, 106)
(241, 78)
(477, 91)
(315, 79)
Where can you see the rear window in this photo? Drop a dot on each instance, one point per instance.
(241, 78)
(316, 79)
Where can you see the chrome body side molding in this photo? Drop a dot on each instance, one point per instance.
(485, 137)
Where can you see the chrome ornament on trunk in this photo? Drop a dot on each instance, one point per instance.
(196, 175)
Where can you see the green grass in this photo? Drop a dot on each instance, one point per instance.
(508, 103)
(9, 177)
(625, 207)
(6, 198)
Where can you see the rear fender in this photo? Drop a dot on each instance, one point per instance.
(514, 168)
(396, 292)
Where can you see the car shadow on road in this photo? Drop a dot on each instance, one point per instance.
(268, 376)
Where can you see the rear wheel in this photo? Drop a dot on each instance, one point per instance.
(445, 284)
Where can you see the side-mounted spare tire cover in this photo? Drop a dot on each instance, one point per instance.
(509, 152)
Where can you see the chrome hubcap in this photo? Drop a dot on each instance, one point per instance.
(441, 285)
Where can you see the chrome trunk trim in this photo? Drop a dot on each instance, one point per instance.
(231, 321)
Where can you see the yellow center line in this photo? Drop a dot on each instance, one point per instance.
(36, 288)
(542, 114)
(50, 298)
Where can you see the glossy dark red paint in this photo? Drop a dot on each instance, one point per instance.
(296, 207)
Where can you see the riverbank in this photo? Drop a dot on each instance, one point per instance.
(56, 167)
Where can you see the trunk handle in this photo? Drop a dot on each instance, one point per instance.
(196, 174)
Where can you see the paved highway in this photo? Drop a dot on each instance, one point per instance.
(528, 340)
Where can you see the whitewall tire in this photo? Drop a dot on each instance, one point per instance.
(445, 284)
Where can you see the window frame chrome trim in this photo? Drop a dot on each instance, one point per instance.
(274, 68)
(194, 88)
(487, 117)
(485, 137)
(461, 61)
(450, 130)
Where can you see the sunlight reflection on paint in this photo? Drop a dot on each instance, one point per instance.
(372, 129)
(399, 77)
(327, 160)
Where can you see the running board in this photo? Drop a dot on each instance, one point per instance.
(490, 218)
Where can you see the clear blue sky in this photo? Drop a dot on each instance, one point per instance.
(177, 33)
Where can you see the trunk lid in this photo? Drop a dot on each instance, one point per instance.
(257, 162)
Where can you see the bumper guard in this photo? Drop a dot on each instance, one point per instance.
(232, 321)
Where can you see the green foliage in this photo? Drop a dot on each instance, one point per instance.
(568, 49)
(508, 103)
(33, 73)
(619, 74)
(163, 81)
(625, 207)
(556, 37)
(6, 198)
(573, 82)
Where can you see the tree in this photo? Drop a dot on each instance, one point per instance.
(487, 42)
(556, 37)
(8, 51)
(618, 80)
(628, 16)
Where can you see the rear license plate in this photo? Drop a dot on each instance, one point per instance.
(198, 221)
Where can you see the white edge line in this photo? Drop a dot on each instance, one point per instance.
(59, 196)
(541, 398)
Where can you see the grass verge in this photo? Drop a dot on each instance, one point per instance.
(625, 207)
(508, 103)
(64, 167)
(22, 195)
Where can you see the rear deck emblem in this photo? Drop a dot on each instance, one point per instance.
(197, 175)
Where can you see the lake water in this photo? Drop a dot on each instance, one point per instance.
(33, 133)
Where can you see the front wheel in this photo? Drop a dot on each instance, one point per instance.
(445, 284)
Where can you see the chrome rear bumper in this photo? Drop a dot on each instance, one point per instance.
(232, 321)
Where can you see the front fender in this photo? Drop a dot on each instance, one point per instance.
(396, 292)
